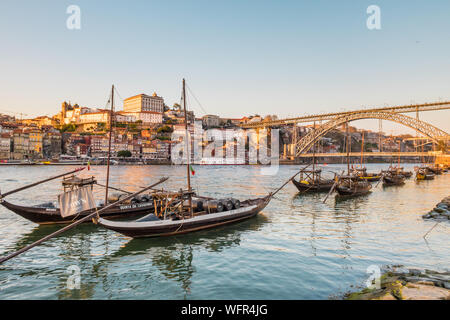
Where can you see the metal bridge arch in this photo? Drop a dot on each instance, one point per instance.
(425, 128)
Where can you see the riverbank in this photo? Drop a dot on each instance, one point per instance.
(400, 283)
(441, 211)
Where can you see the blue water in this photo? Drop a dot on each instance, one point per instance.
(297, 248)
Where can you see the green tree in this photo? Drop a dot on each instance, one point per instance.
(124, 153)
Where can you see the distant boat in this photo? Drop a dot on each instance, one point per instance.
(350, 186)
(221, 161)
(393, 178)
(423, 174)
(312, 181)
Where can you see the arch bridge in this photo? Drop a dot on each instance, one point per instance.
(435, 134)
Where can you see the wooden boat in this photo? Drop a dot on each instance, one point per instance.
(393, 179)
(361, 172)
(403, 172)
(350, 186)
(435, 170)
(424, 174)
(311, 181)
(364, 175)
(48, 213)
(152, 225)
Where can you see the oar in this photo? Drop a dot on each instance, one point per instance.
(276, 191)
(70, 226)
(39, 182)
(112, 188)
(381, 178)
(336, 181)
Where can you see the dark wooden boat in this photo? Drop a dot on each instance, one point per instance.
(350, 186)
(312, 181)
(48, 214)
(403, 172)
(152, 225)
(364, 175)
(393, 179)
(435, 170)
(424, 174)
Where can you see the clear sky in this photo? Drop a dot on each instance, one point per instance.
(239, 57)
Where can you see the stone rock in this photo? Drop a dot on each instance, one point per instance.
(415, 272)
(442, 205)
(438, 210)
(434, 214)
(424, 292)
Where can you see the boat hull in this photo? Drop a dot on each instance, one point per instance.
(162, 228)
(53, 216)
(303, 187)
(393, 181)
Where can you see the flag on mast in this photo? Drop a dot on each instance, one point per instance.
(192, 170)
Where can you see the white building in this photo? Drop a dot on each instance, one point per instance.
(143, 102)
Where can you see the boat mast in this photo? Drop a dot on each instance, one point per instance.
(111, 115)
(314, 156)
(362, 150)
(399, 150)
(188, 156)
(348, 150)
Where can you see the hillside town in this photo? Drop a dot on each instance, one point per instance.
(142, 132)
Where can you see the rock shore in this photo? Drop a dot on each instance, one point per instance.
(400, 283)
(441, 211)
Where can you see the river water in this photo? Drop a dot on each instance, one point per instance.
(297, 248)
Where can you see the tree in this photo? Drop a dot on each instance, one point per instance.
(124, 153)
(164, 129)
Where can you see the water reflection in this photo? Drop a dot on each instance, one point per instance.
(308, 250)
(173, 256)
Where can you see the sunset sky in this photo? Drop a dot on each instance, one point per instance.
(239, 57)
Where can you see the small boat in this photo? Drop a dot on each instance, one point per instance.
(174, 223)
(424, 174)
(393, 178)
(49, 213)
(351, 185)
(435, 169)
(361, 172)
(404, 173)
(364, 175)
(312, 181)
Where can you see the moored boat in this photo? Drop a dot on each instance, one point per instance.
(362, 174)
(424, 174)
(48, 213)
(350, 186)
(392, 178)
(152, 225)
(312, 181)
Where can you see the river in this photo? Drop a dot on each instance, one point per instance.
(297, 248)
